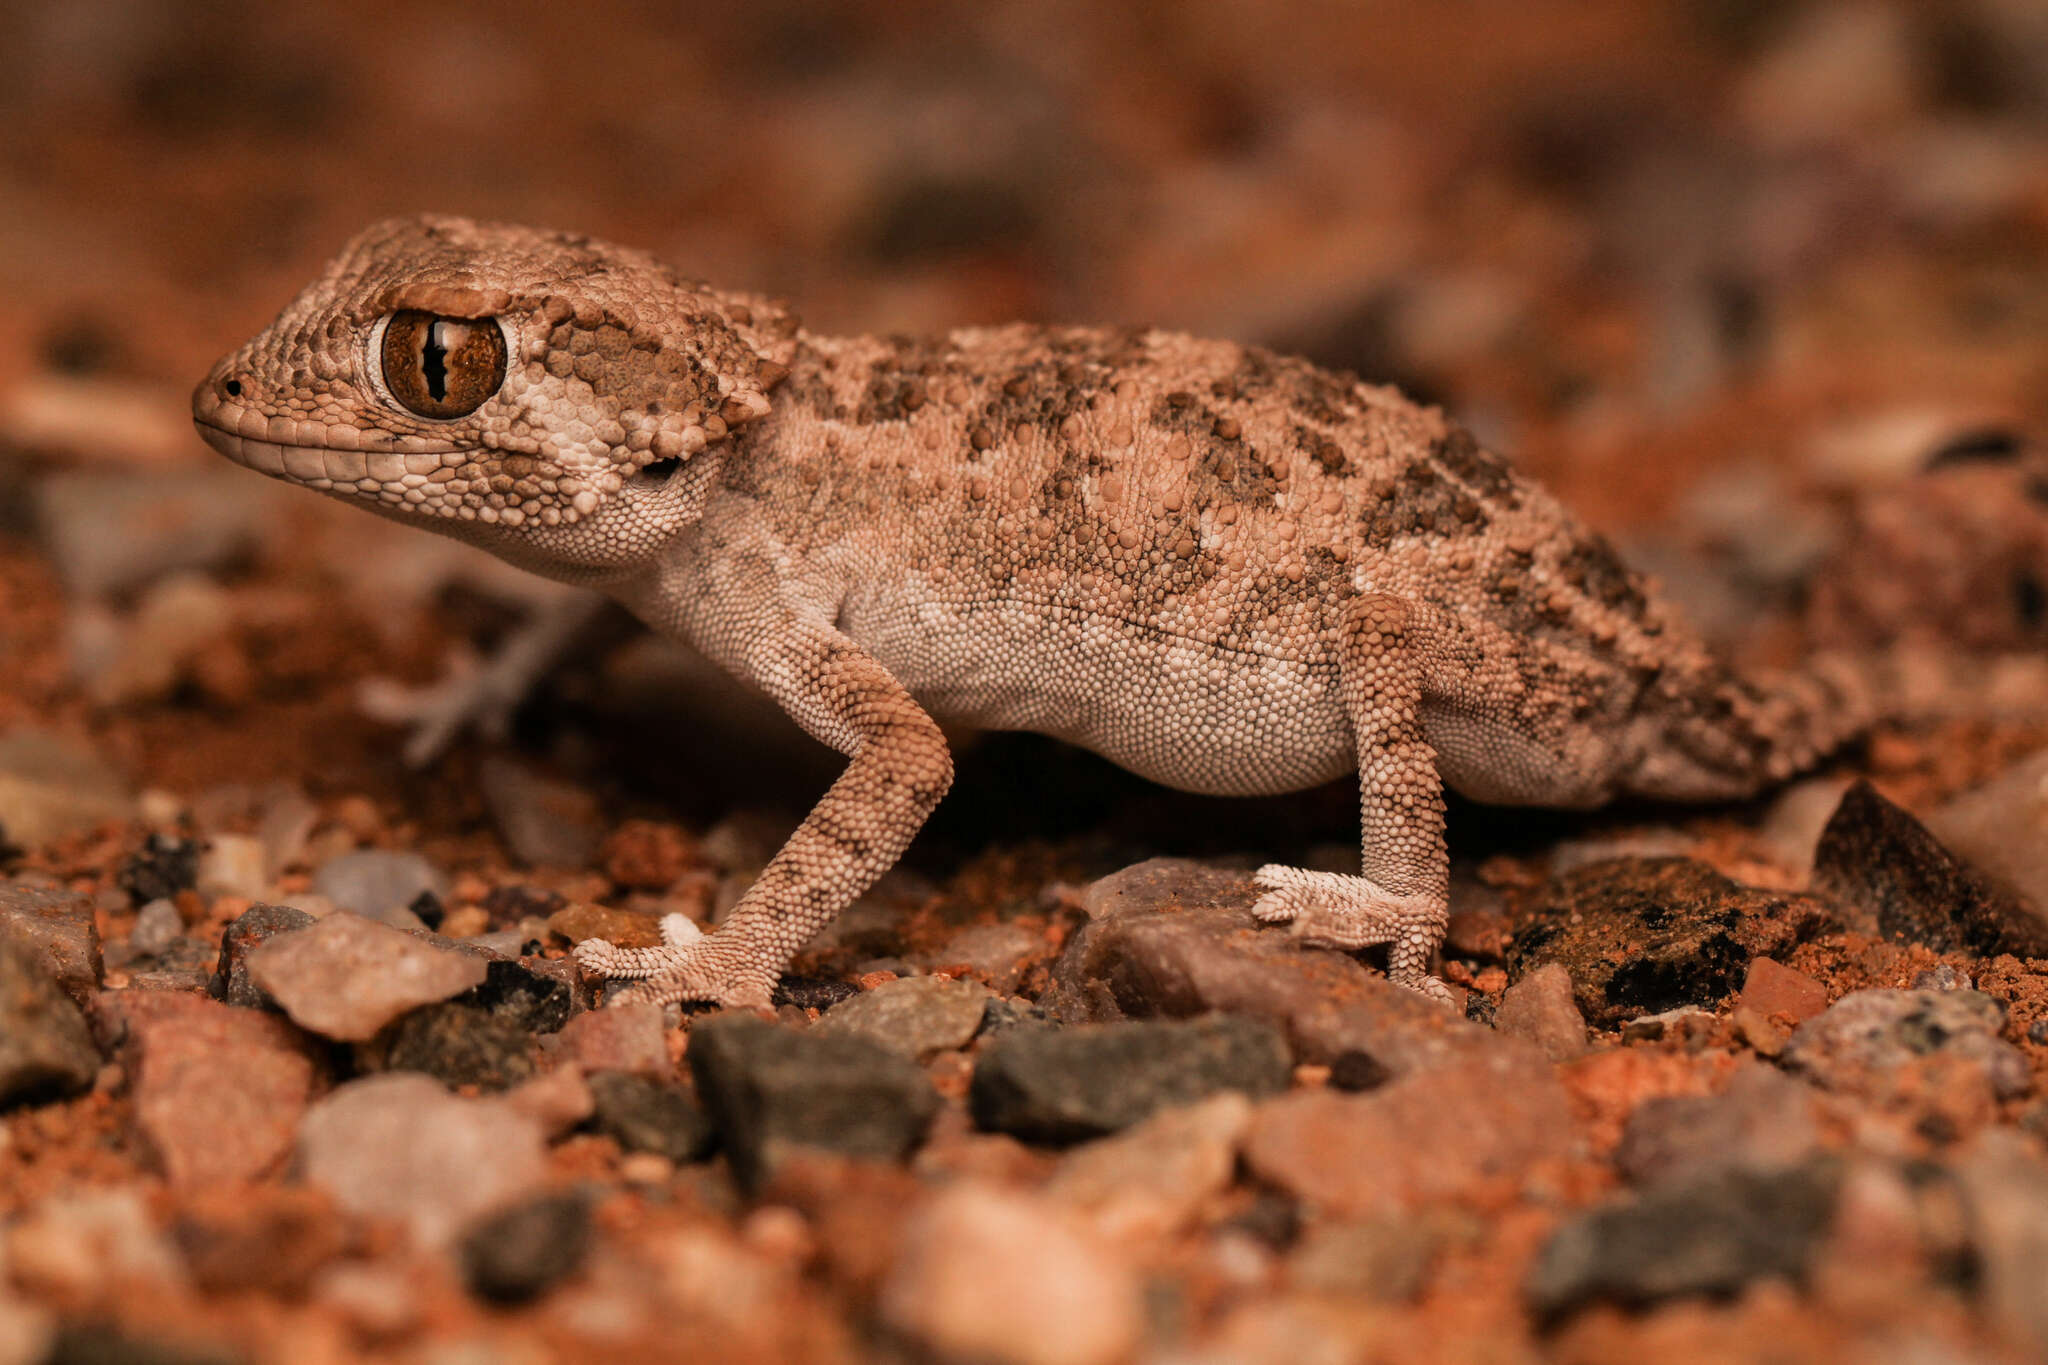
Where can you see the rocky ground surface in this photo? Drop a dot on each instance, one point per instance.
(294, 1065)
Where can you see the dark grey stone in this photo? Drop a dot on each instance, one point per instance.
(519, 1253)
(231, 981)
(1885, 868)
(643, 1115)
(1065, 1085)
(460, 1045)
(60, 926)
(46, 1049)
(1708, 1236)
(769, 1089)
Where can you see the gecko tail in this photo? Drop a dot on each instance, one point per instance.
(1733, 734)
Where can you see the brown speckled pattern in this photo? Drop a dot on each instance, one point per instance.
(1224, 569)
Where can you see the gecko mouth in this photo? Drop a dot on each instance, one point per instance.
(326, 468)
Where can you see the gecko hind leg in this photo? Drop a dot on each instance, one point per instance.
(689, 965)
(1401, 898)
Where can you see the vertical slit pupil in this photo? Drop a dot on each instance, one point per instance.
(434, 362)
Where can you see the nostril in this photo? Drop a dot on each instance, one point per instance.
(232, 388)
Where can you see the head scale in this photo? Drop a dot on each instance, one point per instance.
(485, 375)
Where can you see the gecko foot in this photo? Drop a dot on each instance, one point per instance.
(688, 966)
(1333, 910)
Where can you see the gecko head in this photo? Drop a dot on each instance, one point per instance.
(540, 393)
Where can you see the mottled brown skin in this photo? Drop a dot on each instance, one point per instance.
(1224, 569)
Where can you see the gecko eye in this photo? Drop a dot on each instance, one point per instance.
(441, 367)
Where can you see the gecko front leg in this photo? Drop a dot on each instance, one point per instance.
(900, 769)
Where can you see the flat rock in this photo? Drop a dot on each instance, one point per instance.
(46, 1050)
(629, 1037)
(1879, 1043)
(51, 785)
(218, 1090)
(517, 1254)
(399, 1146)
(986, 1274)
(346, 977)
(1763, 1121)
(375, 882)
(2006, 1185)
(112, 531)
(2002, 828)
(917, 1015)
(59, 926)
(771, 1089)
(545, 822)
(999, 953)
(253, 926)
(1154, 1179)
(1709, 1236)
(1896, 877)
(1174, 938)
(460, 1045)
(643, 1115)
(1645, 935)
(1067, 1084)
(1773, 988)
(1427, 1136)
(1540, 1009)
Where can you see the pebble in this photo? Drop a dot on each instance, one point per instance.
(999, 954)
(1888, 1043)
(544, 821)
(271, 1241)
(629, 1037)
(46, 1050)
(643, 1115)
(218, 1091)
(916, 1016)
(2007, 1188)
(157, 926)
(1773, 988)
(517, 1254)
(559, 1100)
(61, 929)
(1376, 1260)
(458, 1044)
(346, 977)
(1644, 935)
(1063, 1085)
(648, 855)
(51, 785)
(1897, 878)
(1712, 1236)
(252, 927)
(1539, 1009)
(1155, 1178)
(988, 1274)
(399, 1146)
(378, 1299)
(1426, 1136)
(233, 865)
(620, 928)
(74, 1244)
(376, 882)
(771, 1090)
(1764, 1120)
(1175, 938)
(2002, 827)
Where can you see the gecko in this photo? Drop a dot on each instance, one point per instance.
(1225, 569)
